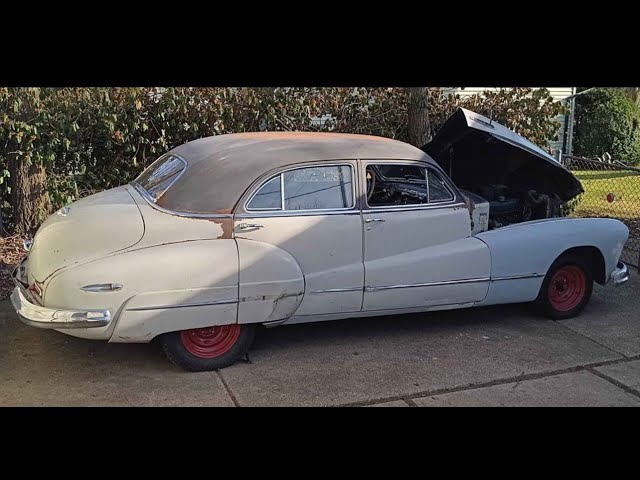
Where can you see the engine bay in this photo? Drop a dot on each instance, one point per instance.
(507, 205)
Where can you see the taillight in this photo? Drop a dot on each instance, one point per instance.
(34, 288)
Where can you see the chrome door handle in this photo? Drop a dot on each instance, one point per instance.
(245, 226)
(370, 220)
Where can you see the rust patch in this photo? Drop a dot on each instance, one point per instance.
(225, 223)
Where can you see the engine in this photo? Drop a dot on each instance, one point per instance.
(501, 205)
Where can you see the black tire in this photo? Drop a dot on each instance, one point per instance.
(571, 288)
(187, 348)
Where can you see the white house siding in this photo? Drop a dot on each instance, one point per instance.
(558, 94)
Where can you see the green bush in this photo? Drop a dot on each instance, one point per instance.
(91, 139)
(607, 121)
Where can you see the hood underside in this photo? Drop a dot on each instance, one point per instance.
(473, 149)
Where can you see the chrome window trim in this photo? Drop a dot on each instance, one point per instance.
(444, 182)
(293, 213)
(150, 201)
(410, 208)
(309, 211)
(258, 191)
(455, 201)
(369, 288)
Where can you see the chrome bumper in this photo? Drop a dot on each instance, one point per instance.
(620, 275)
(43, 317)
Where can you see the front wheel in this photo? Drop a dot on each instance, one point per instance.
(566, 288)
(209, 348)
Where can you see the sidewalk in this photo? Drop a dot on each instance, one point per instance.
(504, 355)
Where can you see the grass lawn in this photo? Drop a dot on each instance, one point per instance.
(624, 185)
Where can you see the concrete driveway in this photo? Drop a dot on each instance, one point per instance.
(492, 356)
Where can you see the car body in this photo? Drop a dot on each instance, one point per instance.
(228, 232)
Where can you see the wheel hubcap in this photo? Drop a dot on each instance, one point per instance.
(210, 342)
(567, 287)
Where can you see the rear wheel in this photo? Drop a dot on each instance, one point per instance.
(567, 288)
(209, 348)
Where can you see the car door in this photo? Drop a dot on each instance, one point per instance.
(418, 248)
(307, 213)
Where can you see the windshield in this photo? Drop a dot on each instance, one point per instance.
(160, 175)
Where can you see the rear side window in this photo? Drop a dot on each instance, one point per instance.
(160, 175)
(311, 188)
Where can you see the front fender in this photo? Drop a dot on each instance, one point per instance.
(531, 247)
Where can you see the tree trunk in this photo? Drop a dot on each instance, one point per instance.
(419, 126)
(31, 202)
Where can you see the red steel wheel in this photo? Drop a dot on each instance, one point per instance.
(567, 288)
(210, 342)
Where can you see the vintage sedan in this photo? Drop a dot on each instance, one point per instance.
(226, 233)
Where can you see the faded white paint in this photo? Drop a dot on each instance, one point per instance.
(180, 273)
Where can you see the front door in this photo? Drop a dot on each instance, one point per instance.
(309, 215)
(418, 248)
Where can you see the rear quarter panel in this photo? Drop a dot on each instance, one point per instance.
(184, 273)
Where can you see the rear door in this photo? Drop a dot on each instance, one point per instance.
(309, 215)
(418, 248)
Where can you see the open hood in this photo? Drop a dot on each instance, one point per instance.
(473, 149)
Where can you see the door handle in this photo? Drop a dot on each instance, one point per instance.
(373, 220)
(246, 226)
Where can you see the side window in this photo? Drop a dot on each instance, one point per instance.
(310, 188)
(269, 197)
(397, 185)
(438, 190)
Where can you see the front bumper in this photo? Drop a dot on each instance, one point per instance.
(42, 317)
(620, 275)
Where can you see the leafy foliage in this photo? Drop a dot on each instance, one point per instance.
(607, 120)
(90, 139)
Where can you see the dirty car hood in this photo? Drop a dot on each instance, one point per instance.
(473, 149)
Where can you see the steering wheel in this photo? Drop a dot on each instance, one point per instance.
(371, 184)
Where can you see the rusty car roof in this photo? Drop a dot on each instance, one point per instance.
(220, 168)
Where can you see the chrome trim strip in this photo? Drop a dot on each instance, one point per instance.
(518, 277)
(150, 201)
(184, 305)
(427, 284)
(245, 210)
(338, 290)
(102, 287)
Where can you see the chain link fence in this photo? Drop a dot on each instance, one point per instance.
(611, 190)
